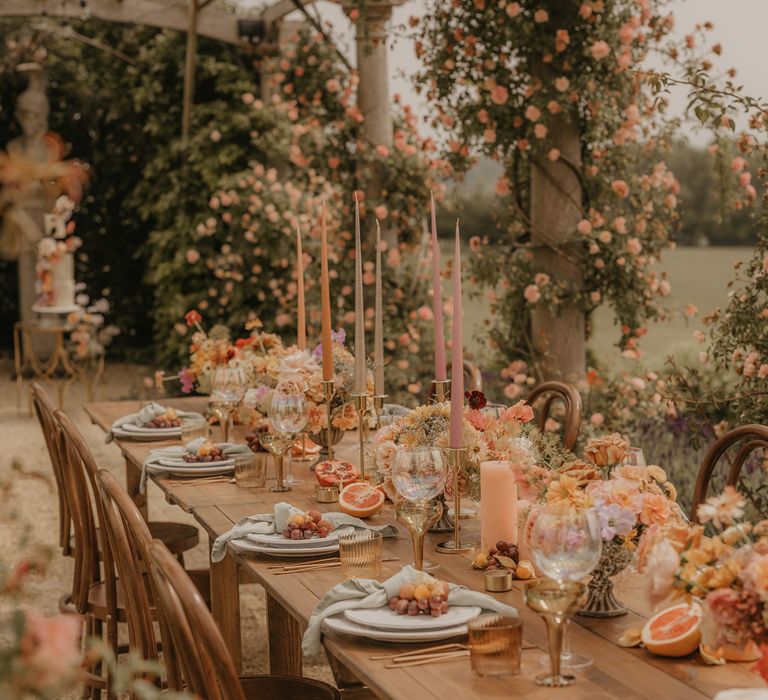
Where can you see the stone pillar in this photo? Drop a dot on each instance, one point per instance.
(559, 336)
(373, 91)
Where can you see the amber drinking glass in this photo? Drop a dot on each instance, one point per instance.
(495, 645)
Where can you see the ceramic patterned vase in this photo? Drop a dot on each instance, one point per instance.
(600, 599)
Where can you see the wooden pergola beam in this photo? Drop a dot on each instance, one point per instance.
(171, 14)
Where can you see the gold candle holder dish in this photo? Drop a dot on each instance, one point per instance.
(455, 458)
(327, 494)
(497, 580)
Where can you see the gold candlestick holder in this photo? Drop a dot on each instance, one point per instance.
(442, 387)
(361, 406)
(378, 407)
(455, 457)
(327, 385)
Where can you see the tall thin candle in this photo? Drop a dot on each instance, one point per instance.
(457, 352)
(301, 333)
(378, 325)
(360, 383)
(437, 299)
(325, 303)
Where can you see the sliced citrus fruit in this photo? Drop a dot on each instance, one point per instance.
(360, 499)
(335, 473)
(674, 631)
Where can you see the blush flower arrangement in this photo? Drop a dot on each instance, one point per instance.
(726, 571)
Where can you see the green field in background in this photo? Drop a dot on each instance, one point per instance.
(698, 276)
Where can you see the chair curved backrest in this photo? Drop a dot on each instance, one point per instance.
(208, 668)
(750, 437)
(91, 541)
(552, 392)
(44, 410)
(124, 543)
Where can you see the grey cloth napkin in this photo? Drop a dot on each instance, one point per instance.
(278, 520)
(230, 449)
(146, 414)
(366, 593)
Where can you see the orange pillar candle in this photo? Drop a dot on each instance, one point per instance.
(498, 503)
(325, 304)
(301, 333)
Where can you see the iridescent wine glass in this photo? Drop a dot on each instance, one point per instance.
(228, 387)
(288, 416)
(419, 475)
(566, 545)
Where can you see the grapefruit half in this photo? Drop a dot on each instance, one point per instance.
(361, 499)
(674, 631)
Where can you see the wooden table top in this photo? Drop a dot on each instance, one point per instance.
(616, 673)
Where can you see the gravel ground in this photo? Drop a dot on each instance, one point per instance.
(29, 511)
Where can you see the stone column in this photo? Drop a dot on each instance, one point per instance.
(559, 335)
(373, 91)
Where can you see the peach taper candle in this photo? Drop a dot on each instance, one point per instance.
(325, 303)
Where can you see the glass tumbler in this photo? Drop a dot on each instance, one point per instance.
(251, 470)
(360, 553)
(495, 645)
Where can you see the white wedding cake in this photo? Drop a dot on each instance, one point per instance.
(55, 262)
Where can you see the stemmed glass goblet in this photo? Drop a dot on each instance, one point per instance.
(566, 545)
(228, 387)
(419, 474)
(288, 416)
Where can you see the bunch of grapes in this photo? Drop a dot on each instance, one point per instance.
(253, 440)
(490, 561)
(304, 527)
(205, 454)
(429, 597)
(164, 421)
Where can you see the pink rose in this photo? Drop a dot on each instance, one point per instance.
(600, 50)
(513, 9)
(380, 212)
(532, 113)
(634, 246)
(621, 188)
(562, 83)
(499, 95)
(584, 227)
(553, 155)
(660, 569)
(512, 391)
(540, 16)
(532, 294)
(192, 256)
(540, 131)
(738, 164)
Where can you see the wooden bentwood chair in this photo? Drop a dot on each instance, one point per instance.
(97, 594)
(197, 651)
(44, 410)
(553, 392)
(750, 437)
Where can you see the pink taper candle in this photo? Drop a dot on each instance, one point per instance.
(457, 352)
(360, 385)
(437, 299)
(498, 503)
(378, 324)
(325, 304)
(301, 333)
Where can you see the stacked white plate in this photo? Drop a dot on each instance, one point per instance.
(178, 467)
(274, 544)
(385, 625)
(134, 431)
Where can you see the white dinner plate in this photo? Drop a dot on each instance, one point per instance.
(276, 539)
(245, 545)
(386, 619)
(133, 428)
(338, 623)
(155, 468)
(170, 462)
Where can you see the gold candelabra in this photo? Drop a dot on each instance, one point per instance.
(455, 457)
(378, 407)
(361, 406)
(442, 387)
(327, 385)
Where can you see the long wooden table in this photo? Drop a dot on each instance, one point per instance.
(616, 673)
